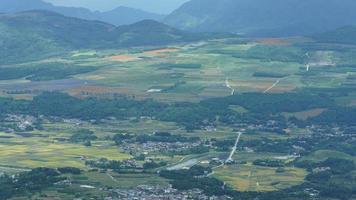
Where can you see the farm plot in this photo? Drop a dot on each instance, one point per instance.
(42, 152)
(261, 179)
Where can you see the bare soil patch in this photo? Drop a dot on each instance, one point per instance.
(274, 41)
(123, 58)
(160, 51)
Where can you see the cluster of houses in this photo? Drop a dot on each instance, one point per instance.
(151, 147)
(159, 192)
(12, 123)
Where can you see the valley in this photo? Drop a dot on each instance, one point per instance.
(218, 100)
(124, 147)
(188, 72)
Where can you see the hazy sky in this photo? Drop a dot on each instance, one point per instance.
(158, 6)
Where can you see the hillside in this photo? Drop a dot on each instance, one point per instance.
(125, 15)
(33, 34)
(344, 35)
(117, 16)
(264, 17)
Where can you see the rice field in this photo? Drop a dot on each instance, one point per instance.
(260, 179)
(35, 152)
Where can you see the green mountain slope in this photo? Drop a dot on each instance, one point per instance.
(344, 35)
(36, 34)
(264, 17)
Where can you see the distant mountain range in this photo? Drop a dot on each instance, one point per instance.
(264, 17)
(36, 34)
(117, 16)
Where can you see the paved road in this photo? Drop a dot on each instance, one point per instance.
(234, 148)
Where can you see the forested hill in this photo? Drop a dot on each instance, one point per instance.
(264, 17)
(344, 35)
(32, 34)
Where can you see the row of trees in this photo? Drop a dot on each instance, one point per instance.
(190, 115)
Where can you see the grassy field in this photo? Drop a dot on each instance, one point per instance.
(322, 155)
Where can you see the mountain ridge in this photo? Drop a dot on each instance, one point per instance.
(263, 17)
(343, 35)
(33, 34)
(118, 16)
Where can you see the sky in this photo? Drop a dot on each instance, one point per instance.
(157, 6)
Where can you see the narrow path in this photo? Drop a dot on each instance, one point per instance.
(272, 86)
(307, 65)
(227, 84)
(112, 178)
(181, 160)
(212, 173)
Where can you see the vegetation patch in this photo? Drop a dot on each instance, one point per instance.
(269, 75)
(44, 72)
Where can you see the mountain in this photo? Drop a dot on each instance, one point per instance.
(264, 17)
(35, 34)
(125, 15)
(343, 35)
(118, 16)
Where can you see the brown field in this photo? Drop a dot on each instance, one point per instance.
(304, 115)
(282, 88)
(91, 90)
(274, 41)
(107, 92)
(262, 85)
(160, 51)
(123, 58)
